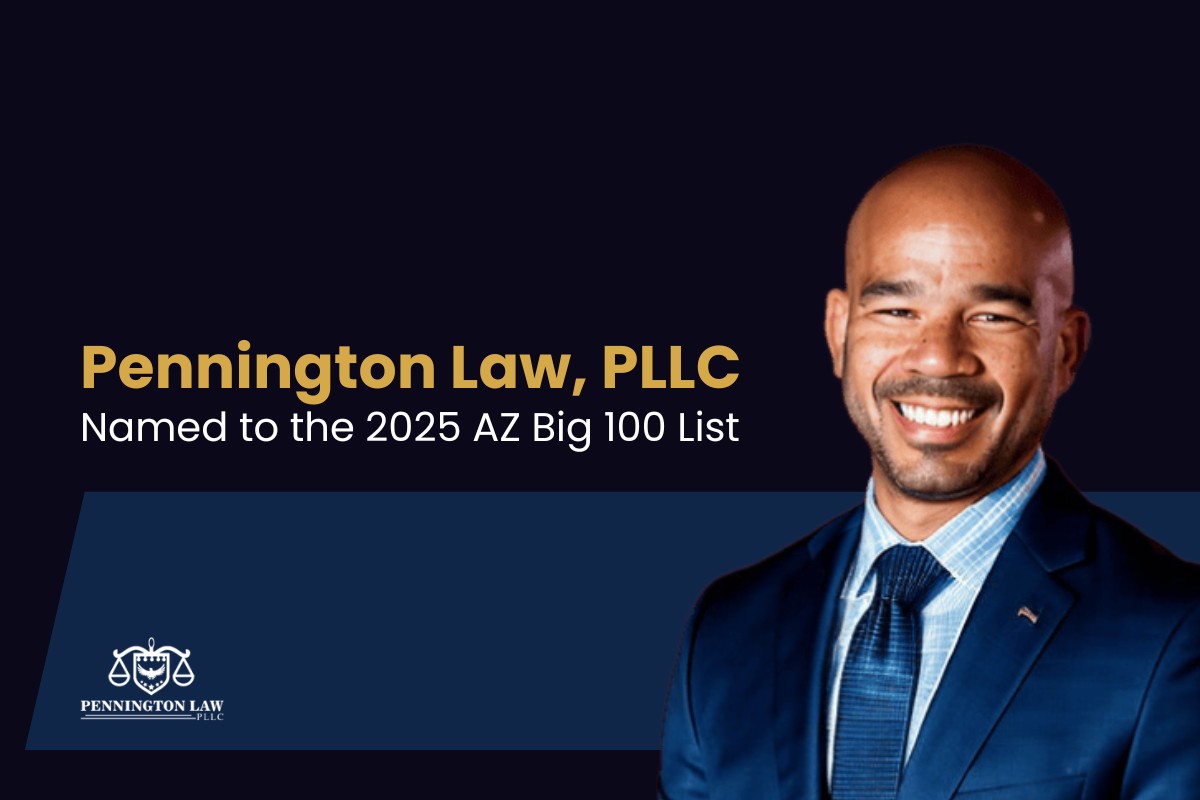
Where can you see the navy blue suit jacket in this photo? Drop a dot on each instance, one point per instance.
(1099, 698)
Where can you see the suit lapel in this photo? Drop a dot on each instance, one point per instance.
(808, 609)
(998, 647)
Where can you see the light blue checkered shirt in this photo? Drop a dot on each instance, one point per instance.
(967, 547)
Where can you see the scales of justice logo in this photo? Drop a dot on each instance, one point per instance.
(151, 667)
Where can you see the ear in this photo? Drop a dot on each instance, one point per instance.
(837, 314)
(1073, 338)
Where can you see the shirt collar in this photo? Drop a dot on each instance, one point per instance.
(966, 545)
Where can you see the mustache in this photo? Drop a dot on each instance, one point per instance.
(968, 391)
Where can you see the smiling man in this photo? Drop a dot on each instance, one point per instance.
(976, 628)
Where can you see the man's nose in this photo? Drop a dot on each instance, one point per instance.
(942, 348)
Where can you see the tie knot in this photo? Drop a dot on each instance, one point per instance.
(906, 574)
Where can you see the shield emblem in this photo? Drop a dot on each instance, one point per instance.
(152, 671)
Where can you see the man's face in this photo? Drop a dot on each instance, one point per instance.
(951, 347)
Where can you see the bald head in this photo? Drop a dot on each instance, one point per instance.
(974, 191)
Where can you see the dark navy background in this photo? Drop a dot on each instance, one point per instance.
(664, 185)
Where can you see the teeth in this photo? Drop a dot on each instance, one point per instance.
(936, 418)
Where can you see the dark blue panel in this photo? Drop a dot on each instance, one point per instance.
(433, 620)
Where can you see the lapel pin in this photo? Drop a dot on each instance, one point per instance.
(1027, 614)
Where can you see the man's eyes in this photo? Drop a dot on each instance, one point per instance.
(987, 319)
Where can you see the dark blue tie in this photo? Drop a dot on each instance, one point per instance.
(880, 676)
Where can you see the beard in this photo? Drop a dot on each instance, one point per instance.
(936, 476)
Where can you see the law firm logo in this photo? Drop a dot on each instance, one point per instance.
(151, 667)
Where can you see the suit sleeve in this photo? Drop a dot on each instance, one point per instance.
(1164, 758)
(682, 773)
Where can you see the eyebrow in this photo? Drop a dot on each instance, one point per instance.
(1003, 293)
(890, 289)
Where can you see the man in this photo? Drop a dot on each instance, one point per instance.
(976, 628)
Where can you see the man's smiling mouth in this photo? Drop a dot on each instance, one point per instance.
(936, 417)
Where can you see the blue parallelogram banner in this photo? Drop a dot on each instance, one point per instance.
(407, 620)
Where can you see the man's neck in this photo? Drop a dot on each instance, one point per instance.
(916, 519)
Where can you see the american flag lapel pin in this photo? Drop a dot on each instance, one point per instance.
(1027, 614)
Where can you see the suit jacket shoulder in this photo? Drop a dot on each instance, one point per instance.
(741, 605)
(1098, 554)
(744, 715)
(1128, 553)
